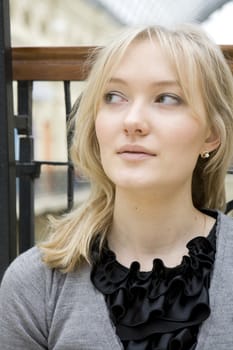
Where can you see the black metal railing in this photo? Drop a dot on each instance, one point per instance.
(57, 64)
(7, 154)
(28, 169)
(64, 64)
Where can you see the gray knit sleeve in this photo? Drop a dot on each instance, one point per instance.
(23, 316)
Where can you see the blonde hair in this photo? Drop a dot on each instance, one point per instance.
(199, 64)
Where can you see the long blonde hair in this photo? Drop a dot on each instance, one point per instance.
(199, 64)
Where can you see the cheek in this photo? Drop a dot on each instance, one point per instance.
(101, 130)
(104, 138)
(187, 134)
(106, 131)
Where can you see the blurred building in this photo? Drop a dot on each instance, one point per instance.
(60, 23)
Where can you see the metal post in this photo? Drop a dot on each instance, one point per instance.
(26, 180)
(7, 155)
(70, 170)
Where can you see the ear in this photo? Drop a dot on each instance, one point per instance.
(212, 141)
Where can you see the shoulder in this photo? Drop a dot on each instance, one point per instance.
(29, 274)
(27, 266)
(23, 301)
(224, 240)
(29, 277)
(32, 258)
(35, 300)
(225, 225)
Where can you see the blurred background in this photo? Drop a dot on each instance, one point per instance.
(91, 22)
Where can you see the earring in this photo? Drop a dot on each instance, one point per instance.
(205, 155)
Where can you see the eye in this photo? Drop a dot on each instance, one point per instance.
(168, 99)
(114, 98)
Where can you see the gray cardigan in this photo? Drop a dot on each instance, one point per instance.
(41, 308)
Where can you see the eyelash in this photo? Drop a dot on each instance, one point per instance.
(178, 100)
(112, 94)
(175, 98)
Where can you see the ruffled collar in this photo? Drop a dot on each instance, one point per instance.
(160, 309)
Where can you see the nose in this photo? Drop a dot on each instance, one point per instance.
(135, 121)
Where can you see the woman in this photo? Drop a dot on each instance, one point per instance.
(146, 261)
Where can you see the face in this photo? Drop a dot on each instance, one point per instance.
(149, 137)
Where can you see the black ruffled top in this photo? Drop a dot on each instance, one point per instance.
(161, 309)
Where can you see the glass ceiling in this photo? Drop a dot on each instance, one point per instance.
(163, 12)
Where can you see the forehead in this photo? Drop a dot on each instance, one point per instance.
(144, 59)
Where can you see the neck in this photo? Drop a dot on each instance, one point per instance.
(146, 226)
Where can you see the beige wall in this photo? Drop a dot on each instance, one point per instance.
(59, 22)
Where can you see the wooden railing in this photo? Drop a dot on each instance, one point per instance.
(51, 63)
(63, 63)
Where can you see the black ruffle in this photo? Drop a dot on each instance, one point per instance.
(161, 309)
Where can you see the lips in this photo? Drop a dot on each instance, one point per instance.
(135, 150)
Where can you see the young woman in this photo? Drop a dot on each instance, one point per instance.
(146, 262)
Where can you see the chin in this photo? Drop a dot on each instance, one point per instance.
(133, 180)
(133, 184)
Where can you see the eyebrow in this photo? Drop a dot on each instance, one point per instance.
(155, 83)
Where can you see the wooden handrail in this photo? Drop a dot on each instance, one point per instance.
(51, 63)
(63, 63)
